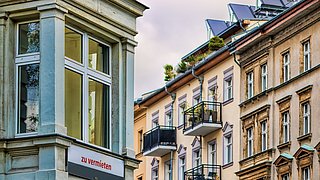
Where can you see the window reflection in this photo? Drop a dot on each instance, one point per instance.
(73, 45)
(98, 113)
(98, 56)
(29, 98)
(29, 41)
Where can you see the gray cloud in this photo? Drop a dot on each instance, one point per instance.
(169, 30)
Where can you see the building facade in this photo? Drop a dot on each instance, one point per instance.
(279, 96)
(66, 106)
(190, 128)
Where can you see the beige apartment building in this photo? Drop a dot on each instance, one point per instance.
(200, 142)
(279, 95)
(266, 126)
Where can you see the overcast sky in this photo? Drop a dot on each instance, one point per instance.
(169, 30)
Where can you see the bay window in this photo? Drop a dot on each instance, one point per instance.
(87, 88)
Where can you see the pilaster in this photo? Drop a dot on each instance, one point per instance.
(128, 96)
(52, 22)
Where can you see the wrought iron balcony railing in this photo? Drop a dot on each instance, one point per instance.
(203, 118)
(159, 140)
(204, 172)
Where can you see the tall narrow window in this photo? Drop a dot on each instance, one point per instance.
(140, 136)
(182, 167)
(286, 67)
(306, 56)
(196, 158)
(306, 173)
(285, 127)
(264, 136)
(227, 149)
(264, 77)
(250, 85)
(168, 118)
(88, 88)
(306, 118)
(228, 89)
(212, 153)
(250, 142)
(27, 69)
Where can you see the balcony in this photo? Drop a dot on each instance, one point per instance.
(202, 118)
(159, 141)
(204, 172)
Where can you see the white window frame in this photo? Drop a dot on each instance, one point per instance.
(286, 66)
(212, 153)
(264, 77)
(250, 83)
(88, 73)
(306, 173)
(182, 167)
(21, 60)
(306, 56)
(249, 141)
(228, 94)
(168, 118)
(264, 135)
(227, 149)
(196, 158)
(286, 126)
(306, 118)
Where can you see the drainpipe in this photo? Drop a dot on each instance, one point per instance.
(200, 79)
(235, 59)
(173, 98)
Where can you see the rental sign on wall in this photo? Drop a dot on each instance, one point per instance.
(93, 165)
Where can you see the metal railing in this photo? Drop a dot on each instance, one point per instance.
(204, 172)
(160, 135)
(203, 112)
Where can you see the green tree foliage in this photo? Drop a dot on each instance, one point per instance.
(215, 43)
(182, 67)
(169, 73)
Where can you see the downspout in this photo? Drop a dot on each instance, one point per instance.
(200, 79)
(173, 98)
(235, 59)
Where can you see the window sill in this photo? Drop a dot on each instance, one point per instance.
(284, 145)
(180, 127)
(305, 137)
(256, 97)
(227, 165)
(227, 102)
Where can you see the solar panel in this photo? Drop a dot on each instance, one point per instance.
(242, 11)
(272, 2)
(217, 26)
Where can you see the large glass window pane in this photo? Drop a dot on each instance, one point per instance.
(28, 98)
(29, 41)
(73, 45)
(73, 103)
(98, 113)
(98, 56)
